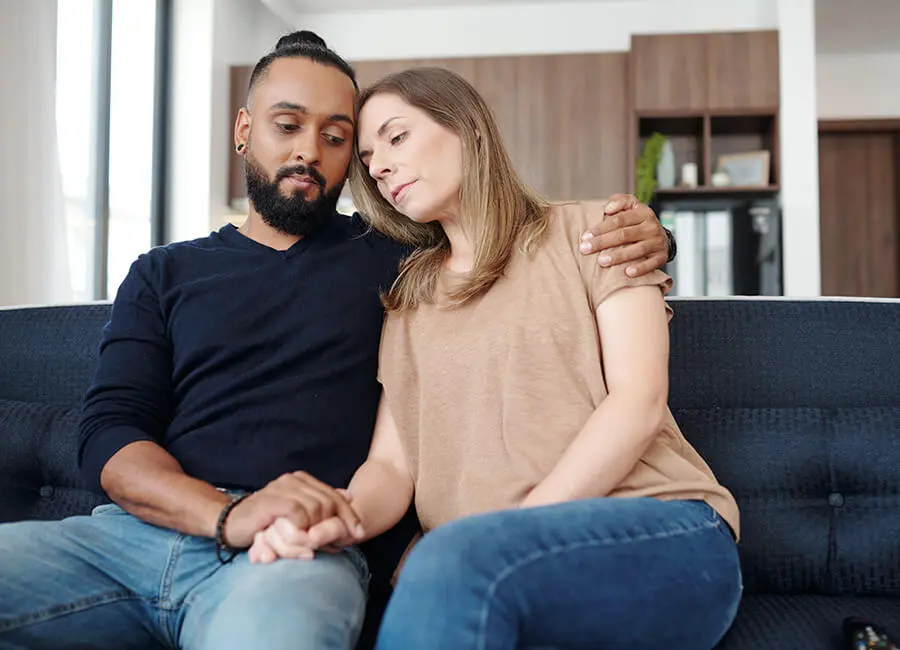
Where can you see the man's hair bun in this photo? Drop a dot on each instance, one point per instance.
(302, 37)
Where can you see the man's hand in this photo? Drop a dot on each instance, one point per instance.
(299, 499)
(633, 230)
(284, 540)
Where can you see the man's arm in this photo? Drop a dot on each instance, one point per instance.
(634, 232)
(126, 412)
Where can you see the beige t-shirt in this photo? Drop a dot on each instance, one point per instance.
(488, 396)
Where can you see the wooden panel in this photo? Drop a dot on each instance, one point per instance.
(858, 126)
(670, 72)
(883, 214)
(743, 70)
(858, 205)
(563, 118)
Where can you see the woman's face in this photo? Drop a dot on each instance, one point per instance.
(416, 162)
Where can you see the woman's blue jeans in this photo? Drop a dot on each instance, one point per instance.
(591, 574)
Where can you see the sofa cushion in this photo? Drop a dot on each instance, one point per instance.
(49, 354)
(779, 622)
(818, 491)
(38, 471)
(777, 353)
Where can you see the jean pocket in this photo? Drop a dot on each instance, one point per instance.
(360, 564)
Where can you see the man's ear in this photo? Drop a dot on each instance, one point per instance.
(242, 130)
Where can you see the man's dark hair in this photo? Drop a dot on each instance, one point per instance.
(302, 44)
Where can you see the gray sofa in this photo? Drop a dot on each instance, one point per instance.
(795, 404)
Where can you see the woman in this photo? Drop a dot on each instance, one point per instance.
(524, 409)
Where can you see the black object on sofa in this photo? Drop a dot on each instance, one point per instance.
(795, 405)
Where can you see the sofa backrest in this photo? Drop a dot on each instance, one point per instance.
(796, 407)
(47, 358)
(794, 404)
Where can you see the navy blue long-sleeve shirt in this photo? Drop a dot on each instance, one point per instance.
(242, 361)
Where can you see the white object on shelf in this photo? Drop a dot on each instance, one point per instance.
(665, 169)
(689, 174)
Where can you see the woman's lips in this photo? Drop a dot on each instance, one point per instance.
(400, 191)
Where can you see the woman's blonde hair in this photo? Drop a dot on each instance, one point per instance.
(498, 208)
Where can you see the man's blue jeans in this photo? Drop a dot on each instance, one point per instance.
(592, 574)
(112, 581)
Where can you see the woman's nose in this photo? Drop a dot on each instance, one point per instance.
(379, 168)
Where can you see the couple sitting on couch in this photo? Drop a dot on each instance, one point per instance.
(518, 397)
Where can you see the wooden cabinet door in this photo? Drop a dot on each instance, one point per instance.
(743, 71)
(859, 208)
(669, 72)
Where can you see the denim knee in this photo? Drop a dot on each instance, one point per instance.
(452, 553)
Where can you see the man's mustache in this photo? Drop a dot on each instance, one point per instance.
(301, 170)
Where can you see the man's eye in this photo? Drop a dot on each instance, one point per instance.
(287, 128)
(334, 139)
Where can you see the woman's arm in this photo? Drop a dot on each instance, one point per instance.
(382, 489)
(380, 492)
(634, 343)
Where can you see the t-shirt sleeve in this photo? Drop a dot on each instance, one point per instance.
(608, 280)
(603, 281)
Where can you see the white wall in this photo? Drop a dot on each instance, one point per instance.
(859, 85)
(528, 28)
(209, 36)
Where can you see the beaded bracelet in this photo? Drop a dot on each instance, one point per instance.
(222, 548)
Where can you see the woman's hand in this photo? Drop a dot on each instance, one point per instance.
(285, 540)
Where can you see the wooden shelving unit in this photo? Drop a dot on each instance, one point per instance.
(703, 138)
(711, 95)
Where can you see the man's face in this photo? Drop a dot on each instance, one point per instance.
(299, 137)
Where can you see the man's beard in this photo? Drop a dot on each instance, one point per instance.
(294, 214)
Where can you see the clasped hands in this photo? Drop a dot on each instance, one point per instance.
(293, 517)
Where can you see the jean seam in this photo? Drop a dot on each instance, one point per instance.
(56, 611)
(560, 548)
(163, 604)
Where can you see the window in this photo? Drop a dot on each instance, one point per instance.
(130, 135)
(108, 120)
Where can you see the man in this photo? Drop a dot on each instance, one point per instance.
(236, 386)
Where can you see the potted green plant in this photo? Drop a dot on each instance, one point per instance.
(645, 172)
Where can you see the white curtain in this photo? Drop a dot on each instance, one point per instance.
(33, 261)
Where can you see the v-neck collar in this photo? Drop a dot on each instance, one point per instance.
(232, 235)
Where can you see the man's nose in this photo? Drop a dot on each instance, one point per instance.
(308, 148)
